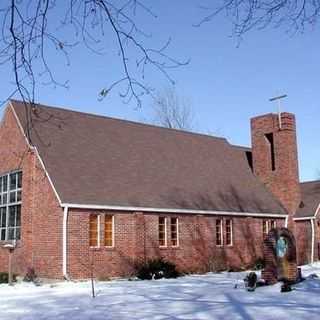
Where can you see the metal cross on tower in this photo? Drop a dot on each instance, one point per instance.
(278, 99)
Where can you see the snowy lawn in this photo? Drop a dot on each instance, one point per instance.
(210, 296)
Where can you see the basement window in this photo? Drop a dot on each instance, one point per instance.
(10, 206)
(270, 143)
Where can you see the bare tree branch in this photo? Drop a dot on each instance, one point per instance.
(30, 31)
(246, 15)
(172, 111)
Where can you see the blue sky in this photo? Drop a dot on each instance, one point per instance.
(226, 84)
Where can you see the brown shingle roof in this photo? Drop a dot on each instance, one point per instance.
(98, 160)
(310, 192)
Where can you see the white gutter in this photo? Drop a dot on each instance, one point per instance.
(312, 240)
(318, 210)
(170, 210)
(64, 243)
(303, 218)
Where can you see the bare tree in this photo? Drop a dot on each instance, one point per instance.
(33, 29)
(173, 111)
(246, 15)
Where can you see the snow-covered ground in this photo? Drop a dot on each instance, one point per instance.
(210, 296)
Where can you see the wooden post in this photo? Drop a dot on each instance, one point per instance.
(10, 280)
(10, 247)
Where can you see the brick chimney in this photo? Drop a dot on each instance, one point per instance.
(275, 157)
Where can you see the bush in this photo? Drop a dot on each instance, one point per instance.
(4, 277)
(259, 264)
(156, 269)
(30, 275)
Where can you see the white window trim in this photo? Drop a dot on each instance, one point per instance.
(231, 233)
(165, 233)
(178, 242)
(98, 230)
(113, 228)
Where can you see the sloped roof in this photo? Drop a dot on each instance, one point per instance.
(310, 192)
(104, 161)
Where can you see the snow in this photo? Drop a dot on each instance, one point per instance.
(210, 296)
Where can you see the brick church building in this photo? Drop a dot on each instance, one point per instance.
(80, 190)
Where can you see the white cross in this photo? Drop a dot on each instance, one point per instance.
(278, 99)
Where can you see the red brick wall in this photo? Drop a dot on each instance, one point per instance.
(197, 251)
(303, 240)
(136, 234)
(283, 182)
(40, 245)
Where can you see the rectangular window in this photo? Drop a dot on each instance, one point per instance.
(108, 230)
(273, 224)
(94, 230)
(162, 232)
(219, 240)
(270, 142)
(10, 206)
(229, 237)
(174, 232)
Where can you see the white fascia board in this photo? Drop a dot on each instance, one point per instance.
(304, 218)
(317, 211)
(19, 125)
(37, 153)
(170, 210)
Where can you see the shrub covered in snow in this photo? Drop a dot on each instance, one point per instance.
(156, 269)
(4, 277)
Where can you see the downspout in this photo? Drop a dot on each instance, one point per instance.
(312, 240)
(64, 243)
(286, 222)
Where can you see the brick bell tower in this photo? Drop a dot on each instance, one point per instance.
(275, 157)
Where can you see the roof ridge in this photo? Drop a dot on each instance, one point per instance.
(126, 121)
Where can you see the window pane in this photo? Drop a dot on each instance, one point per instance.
(228, 232)
(12, 216)
(11, 232)
(19, 179)
(5, 183)
(108, 231)
(4, 198)
(174, 231)
(3, 217)
(13, 181)
(18, 234)
(93, 231)
(18, 216)
(264, 228)
(162, 231)
(218, 232)
(3, 234)
(18, 196)
(12, 197)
